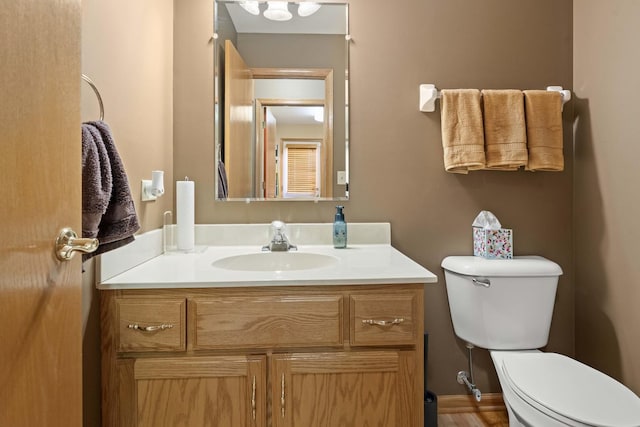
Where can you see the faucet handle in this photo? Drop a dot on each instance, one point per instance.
(279, 241)
(278, 225)
(278, 228)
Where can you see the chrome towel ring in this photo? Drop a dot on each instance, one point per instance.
(97, 92)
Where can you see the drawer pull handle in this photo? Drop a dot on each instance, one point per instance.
(150, 328)
(253, 398)
(396, 321)
(282, 396)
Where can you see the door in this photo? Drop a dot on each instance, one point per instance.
(222, 391)
(271, 158)
(40, 190)
(238, 124)
(266, 158)
(342, 389)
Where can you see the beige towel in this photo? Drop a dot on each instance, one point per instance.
(544, 130)
(505, 134)
(462, 134)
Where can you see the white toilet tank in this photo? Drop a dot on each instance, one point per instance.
(501, 304)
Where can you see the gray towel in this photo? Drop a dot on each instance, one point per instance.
(223, 189)
(97, 182)
(119, 222)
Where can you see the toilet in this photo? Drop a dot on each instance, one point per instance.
(505, 306)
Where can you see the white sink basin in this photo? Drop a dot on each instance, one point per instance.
(275, 261)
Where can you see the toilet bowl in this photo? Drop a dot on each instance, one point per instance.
(505, 306)
(550, 389)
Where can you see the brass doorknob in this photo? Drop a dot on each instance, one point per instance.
(68, 242)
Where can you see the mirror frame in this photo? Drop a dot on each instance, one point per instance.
(263, 73)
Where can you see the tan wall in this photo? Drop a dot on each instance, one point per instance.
(130, 58)
(606, 69)
(396, 164)
(127, 49)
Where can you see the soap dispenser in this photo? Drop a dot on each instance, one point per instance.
(339, 229)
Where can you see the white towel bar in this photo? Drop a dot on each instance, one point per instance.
(429, 94)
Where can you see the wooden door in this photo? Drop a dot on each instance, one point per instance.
(238, 123)
(262, 119)
(342, 389)
(40, 190)
(222, 391)
(271, 158)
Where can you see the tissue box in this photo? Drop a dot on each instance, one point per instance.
(493, 243)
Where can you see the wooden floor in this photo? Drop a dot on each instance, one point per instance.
(464, 411)
(474, 419)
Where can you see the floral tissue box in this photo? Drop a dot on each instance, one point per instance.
(492, 244)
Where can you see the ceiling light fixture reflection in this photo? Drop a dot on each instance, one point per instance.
(307, 8)
(277, 11)
(251, 6)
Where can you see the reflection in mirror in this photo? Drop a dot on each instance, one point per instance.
(281, 101)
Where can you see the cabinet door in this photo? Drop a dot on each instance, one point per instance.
(373, 388)
(224, 391)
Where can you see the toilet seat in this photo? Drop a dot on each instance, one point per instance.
(570, 391)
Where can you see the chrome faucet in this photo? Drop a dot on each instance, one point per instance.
(279, 242)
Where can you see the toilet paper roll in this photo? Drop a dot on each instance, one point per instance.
(185, 215)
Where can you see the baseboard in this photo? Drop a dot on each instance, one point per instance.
(452, 404)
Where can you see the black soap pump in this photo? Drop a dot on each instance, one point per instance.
(339, 229)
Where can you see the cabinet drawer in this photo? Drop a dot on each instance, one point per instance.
(383, 319)
(150, 325)
(265, 321)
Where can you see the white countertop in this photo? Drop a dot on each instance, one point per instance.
(368, 259)
(356, 265)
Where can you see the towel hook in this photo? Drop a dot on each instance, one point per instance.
(97, 92)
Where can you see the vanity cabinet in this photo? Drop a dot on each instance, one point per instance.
(359, 388)
(191, 391)
(308, 356)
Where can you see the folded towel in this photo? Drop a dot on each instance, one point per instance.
(543, 111)
(119, 221)
(462, 132)
(505, 134)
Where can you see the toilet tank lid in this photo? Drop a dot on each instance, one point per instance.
(520, 266)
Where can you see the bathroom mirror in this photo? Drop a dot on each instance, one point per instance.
(281, 100)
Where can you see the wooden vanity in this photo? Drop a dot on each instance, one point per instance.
(191, 340)
(279, 356)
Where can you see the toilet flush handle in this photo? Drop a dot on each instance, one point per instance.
(481, 282)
